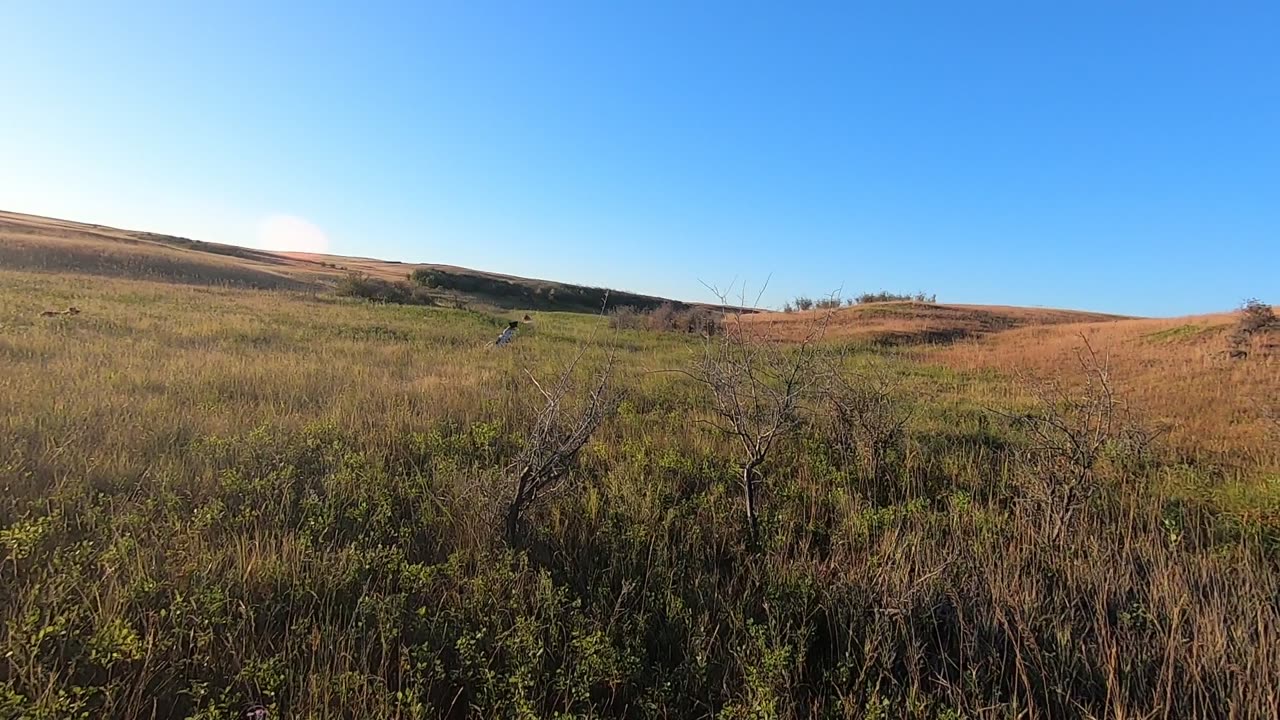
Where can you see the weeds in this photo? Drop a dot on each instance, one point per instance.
(379, 290)
(668, 318)
(756, 391)
(559, 432)
(195, 525)
(1255, 317)
(1073, 431)
(869, 421)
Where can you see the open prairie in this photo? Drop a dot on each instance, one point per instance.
(29, 242)
(1177, 371)
(914, 323)
(251, 496)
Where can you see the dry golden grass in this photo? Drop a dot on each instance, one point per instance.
(29, 242)
(48, 245)
(217, 360)
(891, 323)
(1175, 370)
(214, 497)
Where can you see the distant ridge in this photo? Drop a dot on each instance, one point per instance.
(31, 242)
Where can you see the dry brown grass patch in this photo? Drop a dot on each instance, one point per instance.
(896, 323)
(1177, 370)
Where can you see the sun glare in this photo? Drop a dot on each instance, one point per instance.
(288, 233)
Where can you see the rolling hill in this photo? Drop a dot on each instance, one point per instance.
(29, 242)
(218, 497)
(911, 323)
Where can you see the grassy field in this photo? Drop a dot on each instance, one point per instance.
(1215, 412)
(220, 500)
(30, 242)
(1216, 409)
(915, 323)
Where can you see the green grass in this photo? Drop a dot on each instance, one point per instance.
(217, 497)
(1179, 333)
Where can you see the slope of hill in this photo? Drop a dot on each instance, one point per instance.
(29, 242)
(1177, 371)
(217, 498)
(902, 323)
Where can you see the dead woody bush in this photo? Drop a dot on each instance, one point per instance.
(567, 419)
(1075, 431)
(868, 417)
(757, 389)
(1255, 317)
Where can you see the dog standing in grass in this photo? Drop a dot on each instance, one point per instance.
(507, 335)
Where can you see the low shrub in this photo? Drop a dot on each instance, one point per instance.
(667, 318)
(383, 291)
(884, 296)
(1255, 317)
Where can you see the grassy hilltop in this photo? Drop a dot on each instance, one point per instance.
(216, 498)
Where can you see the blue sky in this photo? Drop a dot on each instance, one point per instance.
(1116, 156)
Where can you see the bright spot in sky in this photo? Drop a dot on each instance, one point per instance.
(287, 233)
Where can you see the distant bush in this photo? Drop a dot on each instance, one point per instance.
(426, 277)
(384, 291)
(628, 318)
(803, 302)
(883, 296)
(667, 318)
(531, 294)
(1255, 316)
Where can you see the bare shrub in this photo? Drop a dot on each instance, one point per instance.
(383, 291)
(884, 296)
(701, 321)
(561, 428)
(627, 318)
(662, 318)
(1255, 316)
(868, 421)
(757, 389)
(1073, 430)
(667, 318)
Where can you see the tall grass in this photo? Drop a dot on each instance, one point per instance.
(215, 499)
(1179, 370)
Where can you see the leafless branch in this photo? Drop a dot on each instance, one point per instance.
(560, 430)
(1073, 428)
(756, 388)
(869, 418)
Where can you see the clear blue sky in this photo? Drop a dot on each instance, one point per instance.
(1117, 156)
